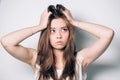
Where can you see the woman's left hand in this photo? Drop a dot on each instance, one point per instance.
(68, 14)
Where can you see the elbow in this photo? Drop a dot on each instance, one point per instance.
(3, 42)
(109, 33)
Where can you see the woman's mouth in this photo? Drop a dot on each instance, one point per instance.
(59, 42)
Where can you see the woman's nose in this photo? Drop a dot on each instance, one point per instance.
(59, 35)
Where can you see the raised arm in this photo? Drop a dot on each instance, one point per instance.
(104, 35)
(11, 41)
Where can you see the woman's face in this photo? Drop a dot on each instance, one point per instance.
(59, 33)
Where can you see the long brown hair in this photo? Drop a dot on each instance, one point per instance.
(46, 57)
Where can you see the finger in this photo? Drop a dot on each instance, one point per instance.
(46, 11)
(49, 13)
(64, 12)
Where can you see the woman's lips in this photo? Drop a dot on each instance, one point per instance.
(59, 42)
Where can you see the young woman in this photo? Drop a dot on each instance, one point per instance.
(55, 57)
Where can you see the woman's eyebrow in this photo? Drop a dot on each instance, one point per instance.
(64, 27)
(61, 27)
(52, 28)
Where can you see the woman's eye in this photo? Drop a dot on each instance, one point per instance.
(52, 31)
(64, 30)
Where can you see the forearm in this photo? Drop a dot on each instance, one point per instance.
(97, 30)
(14, 38)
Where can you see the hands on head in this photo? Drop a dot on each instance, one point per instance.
(52, 12)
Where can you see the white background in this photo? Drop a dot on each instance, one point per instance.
(18, 14)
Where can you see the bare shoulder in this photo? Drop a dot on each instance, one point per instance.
(82, 60)
(82, 56)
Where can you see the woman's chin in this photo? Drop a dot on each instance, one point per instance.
(59, 47)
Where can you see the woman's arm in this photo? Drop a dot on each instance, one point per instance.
(11, 41)
(104, 35)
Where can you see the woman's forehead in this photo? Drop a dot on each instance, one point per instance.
(57, 23)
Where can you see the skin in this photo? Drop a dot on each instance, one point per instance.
(59, 32)
(103, 34)
(28, 55)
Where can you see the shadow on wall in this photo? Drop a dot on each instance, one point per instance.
(101, 70)
(117, 49)
(79, 39)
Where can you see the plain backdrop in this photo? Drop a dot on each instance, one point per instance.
(18, 14)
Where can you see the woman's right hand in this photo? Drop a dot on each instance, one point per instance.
(44, 19)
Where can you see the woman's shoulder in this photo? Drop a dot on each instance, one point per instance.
(35, 67)
(79, 57)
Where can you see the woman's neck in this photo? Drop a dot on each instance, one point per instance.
(59, 59)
